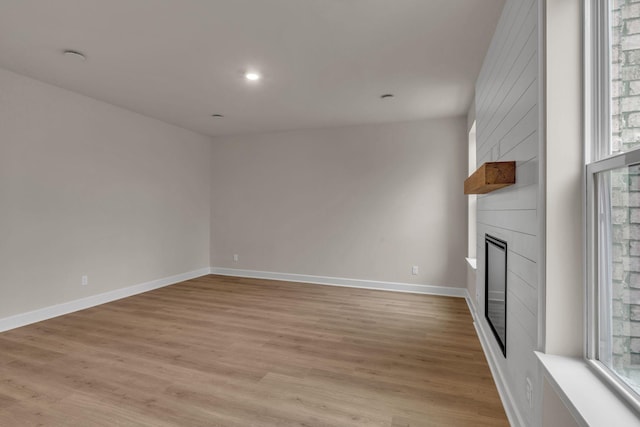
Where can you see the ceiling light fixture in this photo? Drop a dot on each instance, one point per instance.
(386, 96)
(252, 76)
(74, 54)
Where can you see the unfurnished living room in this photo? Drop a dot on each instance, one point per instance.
(394, 213)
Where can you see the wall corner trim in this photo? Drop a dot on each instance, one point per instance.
(339, 281)
(50, 312)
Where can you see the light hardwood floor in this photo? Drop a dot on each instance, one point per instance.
(222, 351)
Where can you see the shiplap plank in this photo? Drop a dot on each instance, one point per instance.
(525, 69)
(516, 220)
(496, 130)
(518, 133)
(525, 292)
(504, 39)
(519, 312)
(525, 245)
(512, 116)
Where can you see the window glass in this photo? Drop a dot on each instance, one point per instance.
(624, 71)
(618, 223)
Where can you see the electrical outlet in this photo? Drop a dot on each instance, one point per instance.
(235, 257)
(529, 392)
(414, 270)
(85, 280)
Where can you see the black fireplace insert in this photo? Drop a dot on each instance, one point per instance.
(495, 295)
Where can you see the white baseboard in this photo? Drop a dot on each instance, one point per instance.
(339, 281)
(471, 305)
(508, 402)
(50, 312)
(39, 315)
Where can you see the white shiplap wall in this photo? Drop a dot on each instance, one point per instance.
(507, 115)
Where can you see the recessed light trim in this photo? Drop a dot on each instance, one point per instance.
(252, 76)
(74, 54)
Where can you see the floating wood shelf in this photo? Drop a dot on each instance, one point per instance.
(491, 176)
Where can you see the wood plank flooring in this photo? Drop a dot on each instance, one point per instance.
(222, 351)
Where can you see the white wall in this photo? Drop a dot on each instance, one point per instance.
(507, 120)
(89, 188)
(364, 202)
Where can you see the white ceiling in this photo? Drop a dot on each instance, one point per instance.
(325, 62)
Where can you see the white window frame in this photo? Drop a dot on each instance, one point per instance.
(595, 275)
(472, 199)
(598, 159)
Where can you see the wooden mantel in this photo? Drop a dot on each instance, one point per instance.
(491, 176)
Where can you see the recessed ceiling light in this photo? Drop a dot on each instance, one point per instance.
(252, 76)
(217, 116)
(386, 96)
(74, 54)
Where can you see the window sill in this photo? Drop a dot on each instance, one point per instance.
(473, 263)
(589, 400)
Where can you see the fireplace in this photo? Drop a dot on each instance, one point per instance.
(495, 295)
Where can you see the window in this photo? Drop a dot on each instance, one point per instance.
(613, 192)
(472, 198)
